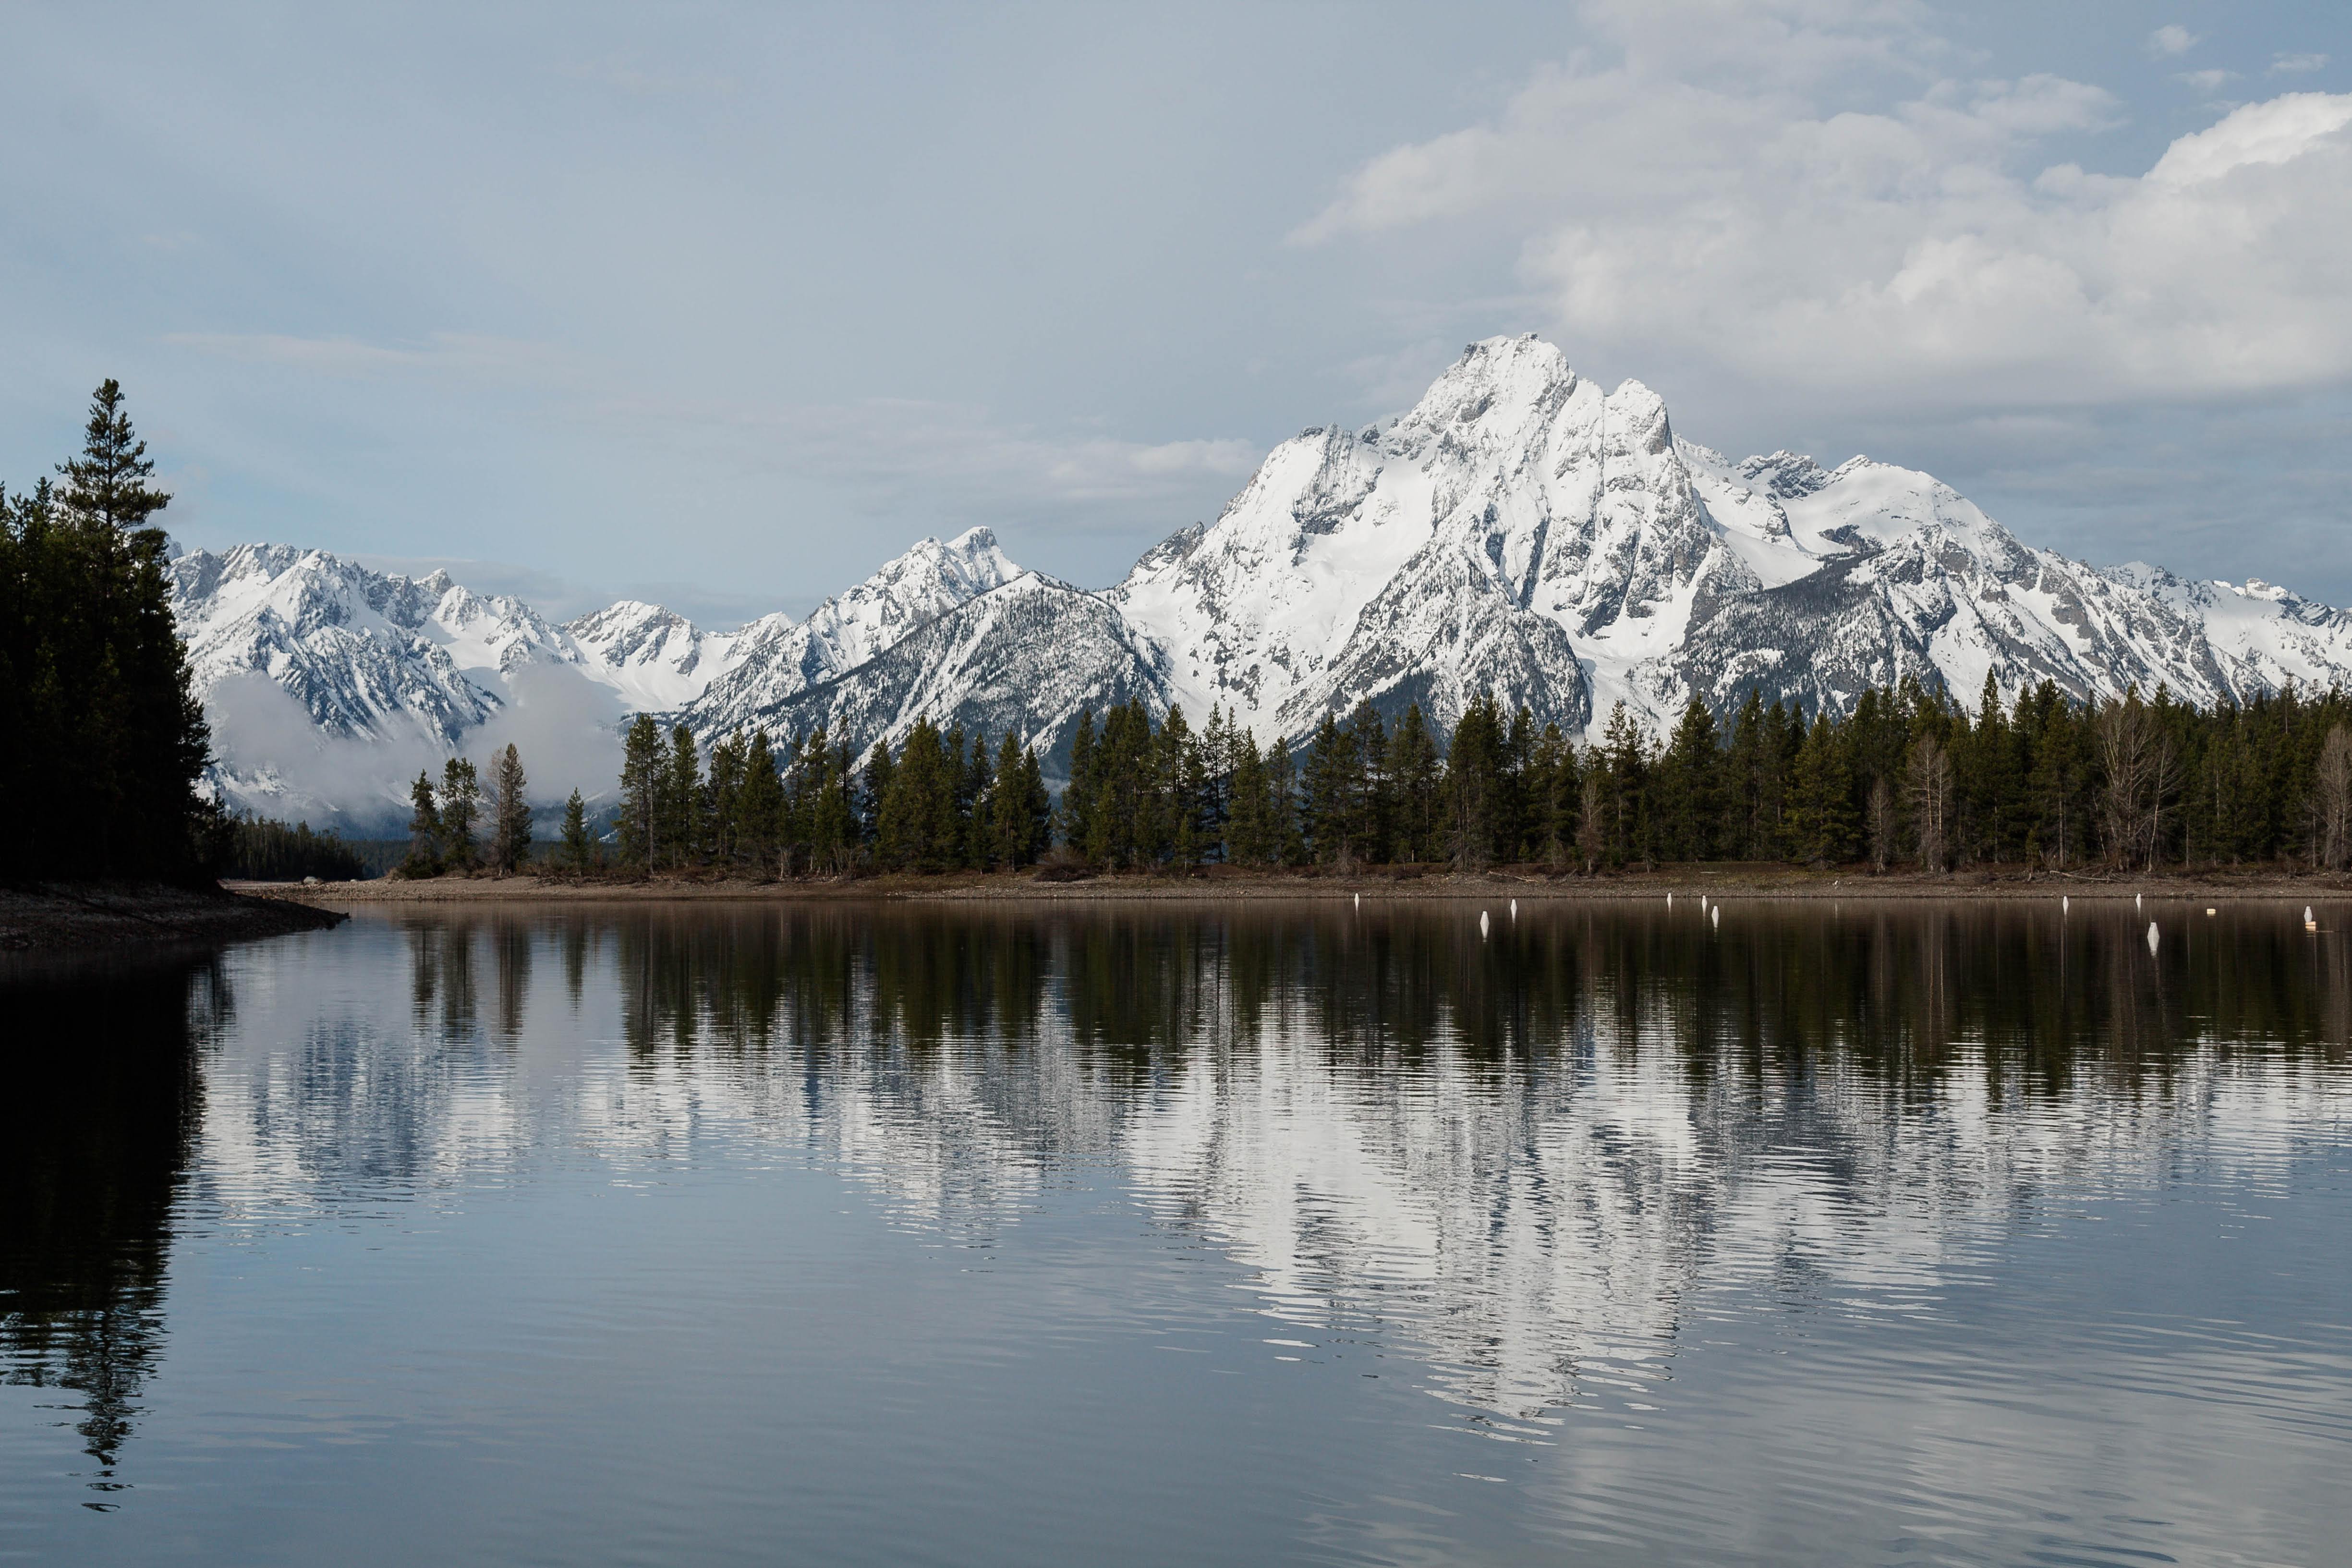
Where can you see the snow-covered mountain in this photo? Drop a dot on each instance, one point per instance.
(367, 655)
(850, 629)
(1520, 529)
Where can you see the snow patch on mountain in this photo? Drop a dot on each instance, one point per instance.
(850, 629)
(1520, 529)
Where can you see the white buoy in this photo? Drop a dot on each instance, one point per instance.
(2210, 910)
(1670, 900)
(1482, 925)
(1359, 901)
(1715, 915)
(1515, 908)
(2151, 936)
(2065, 903)
(2134, 900)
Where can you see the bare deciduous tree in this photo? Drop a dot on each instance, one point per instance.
(1927, 780)
(1589, 836)
(2331, 800)
(1881, 823)
(2139, 774)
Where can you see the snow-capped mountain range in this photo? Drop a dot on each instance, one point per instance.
(1520, 529)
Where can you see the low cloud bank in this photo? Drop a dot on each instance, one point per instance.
(272, 759)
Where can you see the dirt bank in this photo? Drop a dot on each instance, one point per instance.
(51, 916)
(1433, 883)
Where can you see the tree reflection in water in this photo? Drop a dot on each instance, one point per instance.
(104, 1097)
(1512, 1156)
(1891, 985)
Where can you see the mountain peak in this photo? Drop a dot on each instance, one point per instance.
(1519, 531)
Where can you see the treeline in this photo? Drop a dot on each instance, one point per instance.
(944, 802)
(1910, 778)
(105, 740)
(263, 849)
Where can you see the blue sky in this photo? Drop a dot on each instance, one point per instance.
(725, 306)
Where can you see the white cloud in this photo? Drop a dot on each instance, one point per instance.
(896, 445)
(2207, 82)
(564, 727)
(2172, 39)
(1917, 249)
(2282, 65)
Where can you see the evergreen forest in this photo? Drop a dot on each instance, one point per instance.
(105, 740)
(1911, 779)
(261, 849)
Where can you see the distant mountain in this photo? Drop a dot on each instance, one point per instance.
(1520, 529)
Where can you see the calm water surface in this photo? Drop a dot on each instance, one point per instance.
(1177, 1234)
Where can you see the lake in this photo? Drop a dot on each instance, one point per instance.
(1187, 1233)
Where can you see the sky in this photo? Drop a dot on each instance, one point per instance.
(725, 306)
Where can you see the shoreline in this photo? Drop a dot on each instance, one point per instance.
(1732, 880)
(70, 917)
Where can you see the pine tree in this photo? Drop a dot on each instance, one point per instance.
(1041, 807)
(1688, 786)
(1474, 778)
(105, 739)
(1124, 816)
(511, 824)
(1249, 811)
(1552, 789)
(1181, 805)
(1824, 811)
(688, 817)
(723, 791)
(1076, 826)
(919, 829)
(833, 819)
(1216, 781)
(461, 809)
(1416, 777)
(105, 487)
(1625, 766)
(1371, 803)
(1289, 844)
(1326, 803)
(976, 801)
(643, 777)
(1512, 818)
(1743, 770)
(1008, 833)
(575, 840)
(423, 830)
(881, 773)
(761, 812)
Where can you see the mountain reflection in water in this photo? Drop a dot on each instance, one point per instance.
(1511, 1155)
(1534, 1173)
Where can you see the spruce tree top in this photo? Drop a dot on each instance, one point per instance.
(107, 484)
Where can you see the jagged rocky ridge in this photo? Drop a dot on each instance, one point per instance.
(1520, 529)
